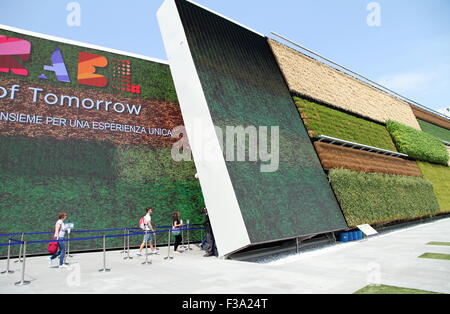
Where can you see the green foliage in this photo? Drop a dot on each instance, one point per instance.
(140, 164)
(382, 289)
(47, 157)
(100, 185)
(436, 256)
(321, 120)
(31, 204)
(418, 144)
(435, 130)
(374, 198)
(440, 177)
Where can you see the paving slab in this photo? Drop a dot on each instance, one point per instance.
(389, 259)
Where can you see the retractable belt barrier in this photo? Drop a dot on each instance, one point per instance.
(126, 235)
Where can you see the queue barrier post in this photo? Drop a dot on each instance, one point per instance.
(104, 269)
(20, 249)
(201, 236)
(124, 241)
(128, 246)
(68, 246)
(23, 282)
(168, 257)
(182, 237)
(147, 262)
(188, 236)
(7, 271)
(156, 243)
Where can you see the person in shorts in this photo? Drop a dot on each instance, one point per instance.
(146, 225)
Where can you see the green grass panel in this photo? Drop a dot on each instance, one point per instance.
(321, 120)
(418, 144)
(100, 185)
(31, 204)
(439, 176)
(46, 156)
(51, 157)
(140, 165)
(435, 130)
(373, 198)
(436, 256)
(439, 243)
(383, 289)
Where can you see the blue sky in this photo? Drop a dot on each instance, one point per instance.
(409, 52)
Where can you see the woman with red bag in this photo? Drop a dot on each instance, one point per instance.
(60, 231)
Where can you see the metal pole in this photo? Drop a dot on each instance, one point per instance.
(156, 243)
(124, 241)
(128, 246)
(201, 236)
(20, 249)
(182, 237)
(168, 246)
(146, 249)
(104, 269)
(296, 240)
(188, 240)
(7, 271)
(68, 246)
(23, 282)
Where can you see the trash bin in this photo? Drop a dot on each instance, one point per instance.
(343, 237)
(359, 234)
(351, 236)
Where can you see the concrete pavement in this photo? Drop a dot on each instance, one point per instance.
(389, 259)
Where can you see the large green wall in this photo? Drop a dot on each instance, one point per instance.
(243, 86)
(103, 180)
(99, 185)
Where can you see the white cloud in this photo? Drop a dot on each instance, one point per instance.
(406, 82)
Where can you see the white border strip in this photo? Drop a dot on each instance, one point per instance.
(80, 44)
(224, 212)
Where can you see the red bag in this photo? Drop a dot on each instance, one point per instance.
(53, 247)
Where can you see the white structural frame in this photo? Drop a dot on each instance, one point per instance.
(224, 212)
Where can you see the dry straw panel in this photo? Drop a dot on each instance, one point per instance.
(425, 115)
(334, 156)
(321, 82)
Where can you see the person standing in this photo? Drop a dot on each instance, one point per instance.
(212, 249)
(176, 225)
(60, 231)
(146, 225)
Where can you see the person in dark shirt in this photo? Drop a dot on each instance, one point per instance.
(176, 225)
(212, 249)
